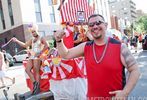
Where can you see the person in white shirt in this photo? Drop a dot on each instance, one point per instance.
(2, 71)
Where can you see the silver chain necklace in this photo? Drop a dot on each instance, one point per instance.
(103, 54)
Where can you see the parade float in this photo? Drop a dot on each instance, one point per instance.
(63, 78)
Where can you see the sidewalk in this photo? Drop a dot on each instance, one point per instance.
(20, 82)
(139, 49)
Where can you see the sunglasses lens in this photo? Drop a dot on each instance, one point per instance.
(97, 23)
(91, 25)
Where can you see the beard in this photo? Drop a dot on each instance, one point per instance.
(96, 33)
(97, 36)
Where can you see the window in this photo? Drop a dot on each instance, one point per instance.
(113, 6)
(6, 40)
(113, 11)
(38, 11)
(12, 21)
(42, 33)
(124, 8)
(2, 16)
(10, 12)
(112, 1)
(3, 23)
(50, 2)
(38, 17)
(52, 15)
(125, 13)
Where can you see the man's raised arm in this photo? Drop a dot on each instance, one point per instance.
(63, 51)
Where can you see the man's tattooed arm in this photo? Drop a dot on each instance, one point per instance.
(127, 55)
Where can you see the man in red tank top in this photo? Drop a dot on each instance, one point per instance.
(105, 60)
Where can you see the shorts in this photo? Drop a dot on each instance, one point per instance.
(33, 57)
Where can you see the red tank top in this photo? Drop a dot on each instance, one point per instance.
(106, 76)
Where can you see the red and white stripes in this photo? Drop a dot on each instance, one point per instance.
(69, 10)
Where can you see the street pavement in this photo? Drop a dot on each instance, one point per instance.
(138, 93)
(20, 86)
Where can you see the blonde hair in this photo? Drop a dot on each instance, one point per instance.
(33, 26)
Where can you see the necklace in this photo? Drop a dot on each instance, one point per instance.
(103, 54)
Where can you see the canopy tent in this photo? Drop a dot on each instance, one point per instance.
(76, 11)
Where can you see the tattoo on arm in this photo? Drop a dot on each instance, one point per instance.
(128, 57)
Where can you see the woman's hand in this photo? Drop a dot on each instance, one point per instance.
(14, 39)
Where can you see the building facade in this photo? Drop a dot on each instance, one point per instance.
(16, 15)
(102, 7)
(140, 13)
(124, 11)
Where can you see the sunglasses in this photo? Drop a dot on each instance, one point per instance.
(95, 23)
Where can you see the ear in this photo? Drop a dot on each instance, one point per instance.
(106, 24)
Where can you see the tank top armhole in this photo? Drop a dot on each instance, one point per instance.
(86, 44)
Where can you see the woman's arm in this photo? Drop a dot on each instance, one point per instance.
(22, 44)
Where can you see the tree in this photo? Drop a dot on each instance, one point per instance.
(141, 24)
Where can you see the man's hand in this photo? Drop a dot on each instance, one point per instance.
(119, 95)
(59, 35)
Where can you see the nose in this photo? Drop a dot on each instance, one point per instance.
(95, 25)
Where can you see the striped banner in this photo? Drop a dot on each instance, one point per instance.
(70, 9)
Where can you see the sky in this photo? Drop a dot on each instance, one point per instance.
(141, 4)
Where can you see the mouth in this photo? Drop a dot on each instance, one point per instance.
(35, 35)
(96, 30)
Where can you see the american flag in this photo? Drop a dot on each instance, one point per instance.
(69, 10)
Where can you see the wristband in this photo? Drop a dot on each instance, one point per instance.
(59, 41)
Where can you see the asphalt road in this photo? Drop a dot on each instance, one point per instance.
(16, 71)
(140, 91)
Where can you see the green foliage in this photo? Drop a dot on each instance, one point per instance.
(51, 43)
(141, 24)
